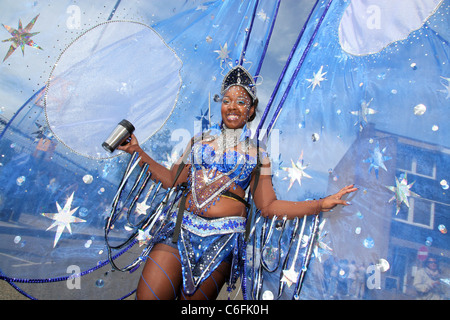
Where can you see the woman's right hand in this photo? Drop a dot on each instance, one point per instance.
(130, 145)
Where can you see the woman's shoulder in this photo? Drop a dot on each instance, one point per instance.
(259, 153)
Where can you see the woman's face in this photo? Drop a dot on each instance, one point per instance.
(236, 107)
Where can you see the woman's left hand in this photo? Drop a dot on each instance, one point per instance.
(336, 199)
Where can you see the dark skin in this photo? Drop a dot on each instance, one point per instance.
(236, 109)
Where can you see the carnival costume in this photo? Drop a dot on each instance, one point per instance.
(354, 103)
(203, 243)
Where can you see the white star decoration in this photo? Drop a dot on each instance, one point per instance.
(142, 207)
(402, 192)
(144, 236)
(262, 15)
(223, 53)
(320, 247)
(290, 276)
(377, 159)
(362, 113)
(317, 78)
(63, 218)
(296, 172)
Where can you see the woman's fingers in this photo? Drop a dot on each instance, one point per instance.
(131, 141)
(346, 190)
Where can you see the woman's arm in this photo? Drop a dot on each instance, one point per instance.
(267, 202)
(159, 172)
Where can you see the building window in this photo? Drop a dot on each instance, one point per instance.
(420, 213)
(417, 161)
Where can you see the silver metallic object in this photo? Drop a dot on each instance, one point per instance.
(119, 135)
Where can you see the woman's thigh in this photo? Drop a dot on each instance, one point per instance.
(161, 276)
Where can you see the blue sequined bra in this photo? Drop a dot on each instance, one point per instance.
(212, 174)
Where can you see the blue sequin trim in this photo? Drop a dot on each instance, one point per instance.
(205, 227)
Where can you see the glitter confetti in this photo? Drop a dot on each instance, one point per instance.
(368, 242)
(420, 109)
(20, 180)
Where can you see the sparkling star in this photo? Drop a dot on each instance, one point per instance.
(223, 53)
(320, 246)
(63, 218)
(204, 118)
(362, 113)
(447, 87)
(143, 237)
(142, 207)
(296, 172)
(317, 78)
(377, 159)
(262, 15)
(290, 276)
(42, 132)
(402, 191)
(21, 37)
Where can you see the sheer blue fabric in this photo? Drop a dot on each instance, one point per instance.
(106, 64)
(363, 99)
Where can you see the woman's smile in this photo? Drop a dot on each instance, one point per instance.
(236, 107)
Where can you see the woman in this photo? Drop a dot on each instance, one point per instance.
(427, 281)
(221, 166)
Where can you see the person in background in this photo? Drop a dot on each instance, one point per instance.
(426, 281)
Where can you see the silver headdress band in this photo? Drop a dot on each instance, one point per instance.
(239, 76)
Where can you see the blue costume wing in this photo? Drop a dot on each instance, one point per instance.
(157, 64)
(364, 100)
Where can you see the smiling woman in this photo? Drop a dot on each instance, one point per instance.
(196, 251)
(237, 107)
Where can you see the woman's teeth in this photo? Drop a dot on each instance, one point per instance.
(232, 117)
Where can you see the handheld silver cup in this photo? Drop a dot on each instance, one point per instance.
(121, 133)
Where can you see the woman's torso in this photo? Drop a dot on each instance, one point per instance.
(212, 173)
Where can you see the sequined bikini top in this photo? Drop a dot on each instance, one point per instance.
(212, 173)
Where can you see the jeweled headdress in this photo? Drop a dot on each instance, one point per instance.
(239, 76)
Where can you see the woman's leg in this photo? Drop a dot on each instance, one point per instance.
(161, 276)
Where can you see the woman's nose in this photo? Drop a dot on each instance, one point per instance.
(234, 105)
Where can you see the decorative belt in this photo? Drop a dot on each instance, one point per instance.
(205, 227)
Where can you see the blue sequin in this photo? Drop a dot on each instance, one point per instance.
(232, 163)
